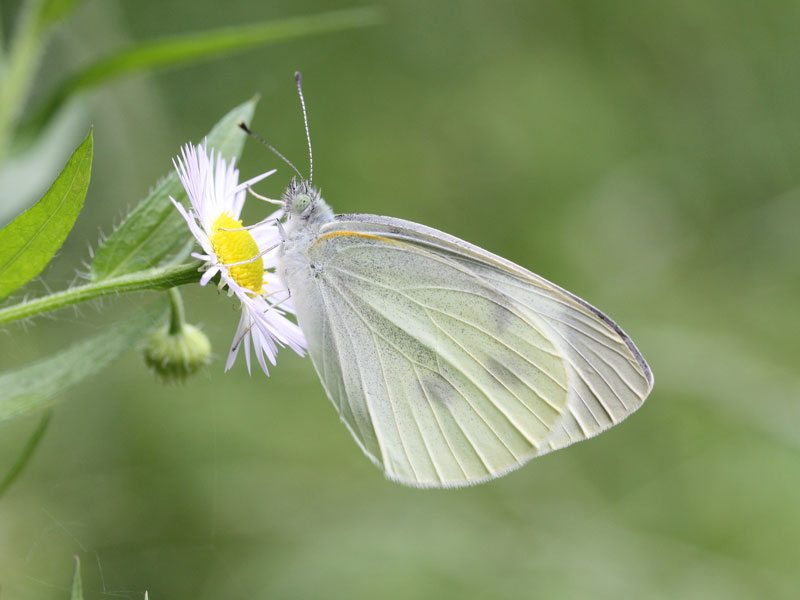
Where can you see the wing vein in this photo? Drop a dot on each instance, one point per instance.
(485, 368)
(439, 424)
(400, 352)
(346, 396)
(391, 404)
(477, 412)
(588, 384)
(507, 347)
(445, 289)
(383, 375)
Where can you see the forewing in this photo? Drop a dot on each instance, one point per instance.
(607, 377)
(442, 378)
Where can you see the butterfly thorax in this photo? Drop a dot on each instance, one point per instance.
(306, 214)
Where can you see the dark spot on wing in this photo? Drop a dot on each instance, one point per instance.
(501, 373)
(437, 388)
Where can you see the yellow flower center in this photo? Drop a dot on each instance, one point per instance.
(235, 247)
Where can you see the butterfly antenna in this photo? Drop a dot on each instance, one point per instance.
(255, 136)
(298, 80)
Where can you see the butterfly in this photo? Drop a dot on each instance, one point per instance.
(449, 365)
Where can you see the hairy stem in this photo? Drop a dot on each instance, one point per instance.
(151, 279)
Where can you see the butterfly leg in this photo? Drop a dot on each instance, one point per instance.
(255, 258)
(249, 227)
(264, 198)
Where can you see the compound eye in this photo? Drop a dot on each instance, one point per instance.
(301, 202)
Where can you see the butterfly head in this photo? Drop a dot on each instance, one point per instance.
(300, 198)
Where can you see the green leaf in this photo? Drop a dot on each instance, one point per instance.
(29, 242)
(154, 230)
(30, 168)
(27, 453)
(77, 584)
(55, 10)
(194, 47)
(39, 385)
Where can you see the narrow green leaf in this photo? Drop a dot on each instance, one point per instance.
(154, 230)
(39, 385)
(29, 242)
(77, 583)
(27, 453)
(194, 47)
(55, 10)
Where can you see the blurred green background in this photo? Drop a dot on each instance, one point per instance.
(643, 155)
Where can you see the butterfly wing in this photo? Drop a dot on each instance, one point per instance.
(450, 365)
(609, 377)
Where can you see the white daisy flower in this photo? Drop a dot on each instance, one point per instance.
(245, 258)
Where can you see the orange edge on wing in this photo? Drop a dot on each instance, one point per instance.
(353, 234)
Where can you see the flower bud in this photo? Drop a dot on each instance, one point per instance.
(176, 356)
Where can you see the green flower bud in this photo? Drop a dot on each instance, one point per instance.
(176, 356)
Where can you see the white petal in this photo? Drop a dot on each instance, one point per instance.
(208, 275)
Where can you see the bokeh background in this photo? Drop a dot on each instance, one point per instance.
(644, 155)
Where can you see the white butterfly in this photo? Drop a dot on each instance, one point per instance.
(448, 364)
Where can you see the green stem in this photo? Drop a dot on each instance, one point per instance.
(27, 452)
(176, 313)
(151, 279)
